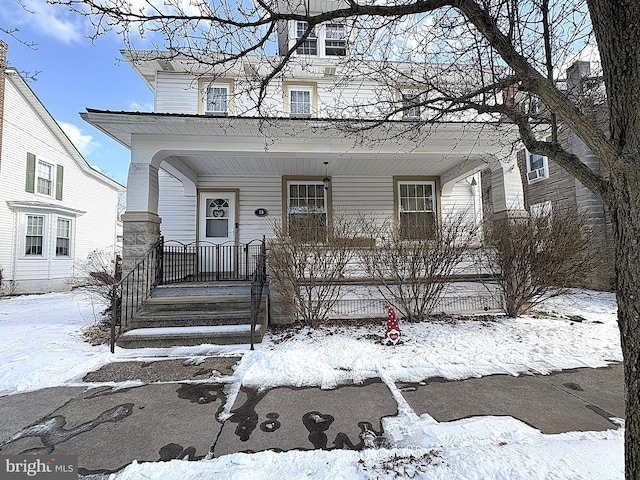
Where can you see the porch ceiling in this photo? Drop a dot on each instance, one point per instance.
(249, 146)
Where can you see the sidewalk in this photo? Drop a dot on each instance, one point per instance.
(109, 429)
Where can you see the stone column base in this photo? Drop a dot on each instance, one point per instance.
(141, 230)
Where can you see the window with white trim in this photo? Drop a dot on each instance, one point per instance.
(307, 210)
(335, 39)
(34, 235)
(537, 167)
(44, 178)
(310, 45)
(416, 209)
(63, 237)
(300, 101)
(411, 105)
(217, 99)
(541, 210)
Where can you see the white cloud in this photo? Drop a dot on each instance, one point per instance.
(84, 143)
(140, 107)
(53, 20)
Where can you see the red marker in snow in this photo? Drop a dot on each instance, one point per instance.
(393, 327)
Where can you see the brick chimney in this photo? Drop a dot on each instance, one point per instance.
(3, 68)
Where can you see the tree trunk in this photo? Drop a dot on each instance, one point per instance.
(626, 219)
(616, 25)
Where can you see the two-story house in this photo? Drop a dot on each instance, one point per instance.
(221, 157)
(54, 208)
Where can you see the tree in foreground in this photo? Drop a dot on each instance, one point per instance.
(488, 46)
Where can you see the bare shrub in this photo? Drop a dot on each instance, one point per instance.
(100, 273)
(307, 264)
(538, 257)
(410, 270)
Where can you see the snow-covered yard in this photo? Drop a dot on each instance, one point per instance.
(42, 346)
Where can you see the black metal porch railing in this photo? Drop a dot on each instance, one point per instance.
(134, 288)
(257, 286)
(206, 261)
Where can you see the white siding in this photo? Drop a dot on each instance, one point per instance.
(24, 131)
(351, 195)
(180, 93)
(176, 93)
(178, 212)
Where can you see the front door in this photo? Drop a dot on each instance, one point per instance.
(217, 232)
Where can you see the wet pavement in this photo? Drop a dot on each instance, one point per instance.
(110, 428)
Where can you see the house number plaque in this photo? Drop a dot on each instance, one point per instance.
(261, 212)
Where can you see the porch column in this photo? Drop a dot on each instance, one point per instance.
(140, 222)
(507, 194)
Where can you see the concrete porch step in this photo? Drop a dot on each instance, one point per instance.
(187, 318)
(188, 336)
(197, 303)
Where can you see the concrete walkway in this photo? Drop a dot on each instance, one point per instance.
(109, 429)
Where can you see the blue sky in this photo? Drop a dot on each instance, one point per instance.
(75, 74)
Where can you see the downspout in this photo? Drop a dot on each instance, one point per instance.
(3, 75)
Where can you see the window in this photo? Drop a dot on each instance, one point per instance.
(411, 106)
(542, 209)
(217, 99)
(44, 178)
(34, 235)
(310, 45)
(300, 102)
(537, 167)
(63, 237)
(335, 39)
(307, 212)
(416, 210)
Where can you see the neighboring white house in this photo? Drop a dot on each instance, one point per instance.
(54, 208)
(207, 167)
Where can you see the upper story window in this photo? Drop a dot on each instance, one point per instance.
(310, 45)
(537, 167)
(335, 42)
(307, 210)
(44, 178)
(217, 99)
(416, 209)
(300, 101)
(411, 105)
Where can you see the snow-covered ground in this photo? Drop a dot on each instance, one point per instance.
(41, 347)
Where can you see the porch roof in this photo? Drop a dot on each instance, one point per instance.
(240, 145)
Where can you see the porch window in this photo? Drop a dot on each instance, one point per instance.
(63, 237)
(44, 178)
(537, 167)
(307, 211)
(217, 99)
(34, 238)
(416, 210)
(310, 45)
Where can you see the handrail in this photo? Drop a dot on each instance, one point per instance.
(257, 286)
(134, 288)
